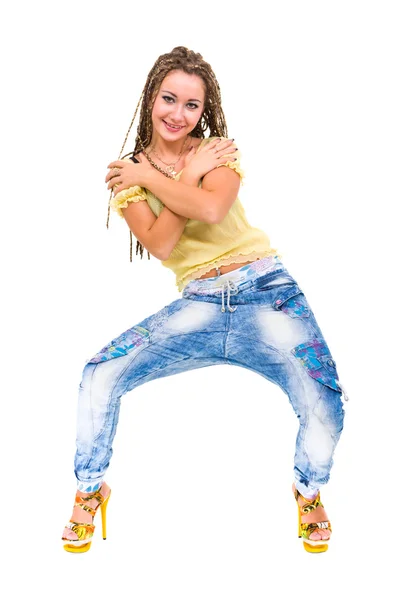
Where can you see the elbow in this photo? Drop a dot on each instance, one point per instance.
(159, 253)
(162, 253)
(212, 217)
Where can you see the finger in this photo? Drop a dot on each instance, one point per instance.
(116, 163)
(212, 145)
(224, 159)
(113, 183)
(114, 172)
(228, 153)
(225, 143)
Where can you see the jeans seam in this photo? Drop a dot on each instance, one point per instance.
(222, 359)
(170, 337)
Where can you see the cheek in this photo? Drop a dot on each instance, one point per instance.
(158, 109)
(193, 117)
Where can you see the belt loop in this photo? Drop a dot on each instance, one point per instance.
(218, 271)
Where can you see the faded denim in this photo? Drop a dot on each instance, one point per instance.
(255, 317)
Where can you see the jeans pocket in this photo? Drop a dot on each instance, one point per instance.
(292, 302)
(318, 362)
(270, 281)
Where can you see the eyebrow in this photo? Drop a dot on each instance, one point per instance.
(175, 96)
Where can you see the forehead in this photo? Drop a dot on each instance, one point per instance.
(183, 84)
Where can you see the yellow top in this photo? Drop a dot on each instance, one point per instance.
(203, 246)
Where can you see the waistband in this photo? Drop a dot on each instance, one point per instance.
(232, 281)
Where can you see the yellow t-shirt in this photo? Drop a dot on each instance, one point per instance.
(203, 246)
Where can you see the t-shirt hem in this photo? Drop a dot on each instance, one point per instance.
(223, 262)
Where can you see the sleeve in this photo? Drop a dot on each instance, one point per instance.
(132, 194)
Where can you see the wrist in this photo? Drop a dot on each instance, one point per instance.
(147, 177)
(190, 177)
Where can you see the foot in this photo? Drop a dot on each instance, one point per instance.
(315, 516)
(82, 516)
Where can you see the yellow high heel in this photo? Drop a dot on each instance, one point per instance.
(85, 531)
(306, 529)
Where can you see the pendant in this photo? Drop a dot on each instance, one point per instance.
(171, 170)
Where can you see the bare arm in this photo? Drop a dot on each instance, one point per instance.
(192, 202)
(158, 235)
(208, 204)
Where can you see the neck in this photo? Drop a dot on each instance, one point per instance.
(167, 148)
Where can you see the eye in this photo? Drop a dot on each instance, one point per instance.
(192, 105)
(167, 99)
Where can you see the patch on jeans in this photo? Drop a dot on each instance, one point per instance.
(123, 344)
(293, 303)
(317, 360)
(296, 306)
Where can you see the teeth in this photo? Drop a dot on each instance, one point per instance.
(173, 126)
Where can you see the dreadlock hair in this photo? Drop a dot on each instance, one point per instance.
(212, 119)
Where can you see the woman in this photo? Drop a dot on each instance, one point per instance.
(239, 305)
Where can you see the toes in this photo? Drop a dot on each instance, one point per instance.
(69, 534)
(320, 534)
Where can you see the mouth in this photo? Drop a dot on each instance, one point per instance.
(171, 127)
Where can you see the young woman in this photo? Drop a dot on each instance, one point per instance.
(178, 193)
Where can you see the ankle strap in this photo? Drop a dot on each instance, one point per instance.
(81, 502)
(309, 505)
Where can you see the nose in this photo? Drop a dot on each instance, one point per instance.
(176, 114)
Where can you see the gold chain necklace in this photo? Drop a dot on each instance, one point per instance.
(170, 167)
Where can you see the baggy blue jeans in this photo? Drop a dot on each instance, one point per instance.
(255, 317)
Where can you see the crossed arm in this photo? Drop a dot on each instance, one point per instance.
(159, 235)
(182, 199)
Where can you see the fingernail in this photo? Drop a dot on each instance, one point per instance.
(236, 148)
(235, 158)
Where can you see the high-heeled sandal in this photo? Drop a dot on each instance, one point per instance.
(306, 529)
(85, 531)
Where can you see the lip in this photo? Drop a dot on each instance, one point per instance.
(171, 129)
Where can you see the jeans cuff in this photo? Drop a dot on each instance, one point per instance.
(89, 486)
(307, 491)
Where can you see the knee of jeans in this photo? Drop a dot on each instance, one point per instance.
(86, 375)
(331, 412)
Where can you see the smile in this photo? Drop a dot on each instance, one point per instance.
(173, 127)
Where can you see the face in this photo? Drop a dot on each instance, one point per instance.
(178, 106)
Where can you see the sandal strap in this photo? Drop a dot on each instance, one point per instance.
(309, 505)
(84, 531)
(81, 502)
(308, 528)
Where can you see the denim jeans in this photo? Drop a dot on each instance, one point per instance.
(255, 317)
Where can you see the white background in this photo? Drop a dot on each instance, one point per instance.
(202, 466)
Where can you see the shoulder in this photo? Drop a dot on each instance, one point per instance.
(201, 142)
(136, 157)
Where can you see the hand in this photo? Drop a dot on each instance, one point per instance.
(210, 156)
(128, 174)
